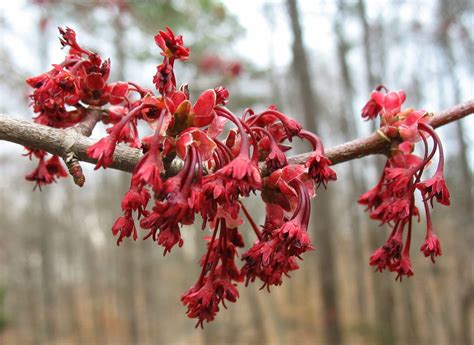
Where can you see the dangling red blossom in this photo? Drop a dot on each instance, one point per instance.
(47, 171)
(319, 170)
(435, 187)
(404, 268)
(124, 227)
(392, 199)
(136, 199)
(202, 302)
(431, 247)
(371, 110)
(103, 151)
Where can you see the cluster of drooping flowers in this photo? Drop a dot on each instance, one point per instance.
(392, 200)
(63, 96)
(192, 167)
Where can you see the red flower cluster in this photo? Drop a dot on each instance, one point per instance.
(47, 170)
(62, 95)
(191, 167)
(392, 200)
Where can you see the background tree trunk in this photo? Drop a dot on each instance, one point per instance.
(354, 185)
(449, 16)
(323, 234)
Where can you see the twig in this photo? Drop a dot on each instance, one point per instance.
(60, 142)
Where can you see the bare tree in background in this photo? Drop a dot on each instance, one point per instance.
(367, 45)
(354, 184)
(71, 252)
(449, 14)
(326, 257)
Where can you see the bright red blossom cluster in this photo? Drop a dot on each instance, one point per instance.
(63, 96)
(191, 167)
(392, 200)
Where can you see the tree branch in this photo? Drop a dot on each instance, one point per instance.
(61, 142)
(375, 144)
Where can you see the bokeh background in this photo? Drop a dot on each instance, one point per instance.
(63, 280)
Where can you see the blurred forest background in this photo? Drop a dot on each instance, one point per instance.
(63, 280)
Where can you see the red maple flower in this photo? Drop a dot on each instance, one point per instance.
(399, 179)
(171, 45)
(385, 256)
(55, 168)
(40, 175)
(372, 198)
(242, 168)
(197, 138)
(371, 110)
(103, 151)
(164, 79)
(125, 226)
(68, 38)
(118, 92)
(295, 237)
(281, 240)
(148, 170)
(136, 199)
(222, 95)
(202, 302)
(163, 227)
(319, 170)
(169, 236)
(380, 258)
(403, 268)
(215, 284)
(267, 261)
(431, 247)
(317, 163)
(226, 290)
(435, 187)
(47, 171)
(391, 102)
(203, 110)
(408, 127)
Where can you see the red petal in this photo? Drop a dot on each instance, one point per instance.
(378, 97)
(95, 81)
(178, 97)
(402, 96)
(204, 144)
(203, 108)
(217, 126)
(292, 171)
(392, 101)
(185, 139)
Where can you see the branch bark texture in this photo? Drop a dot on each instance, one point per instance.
(60, 142)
